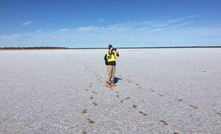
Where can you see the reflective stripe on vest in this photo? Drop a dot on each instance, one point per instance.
(111, 57)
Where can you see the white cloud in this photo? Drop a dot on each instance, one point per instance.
(26, 23)
(64, 29)
(11, 37)
(87, 29)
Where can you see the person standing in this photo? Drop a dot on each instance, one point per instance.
(110, 61)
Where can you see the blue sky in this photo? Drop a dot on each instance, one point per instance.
(96, 23)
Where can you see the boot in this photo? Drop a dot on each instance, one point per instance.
(113, 84)
(108, 84)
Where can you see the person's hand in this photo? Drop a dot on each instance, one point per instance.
(117, 53)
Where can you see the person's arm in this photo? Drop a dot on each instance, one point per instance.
(105, 58)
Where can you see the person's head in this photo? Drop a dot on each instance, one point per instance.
(110, 46)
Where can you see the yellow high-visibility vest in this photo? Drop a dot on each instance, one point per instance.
(111, 57)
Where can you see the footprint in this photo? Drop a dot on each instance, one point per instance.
(129, 81)
(194, 107)
(179, 99)
(121, 101)
(117, 94)
(134, 106)
(219, 114)
(140, 112)
(160, 95)
(137, 84)
(175, 133)
(91, 121)
(84, 111)
(140, 87)
(127, 98)
(94, 103)
(86, 89)
(91, 98)
(94, 92)
(90, 85)
(163, 122)
(144, 114)
(152, 90)
(84, 132)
